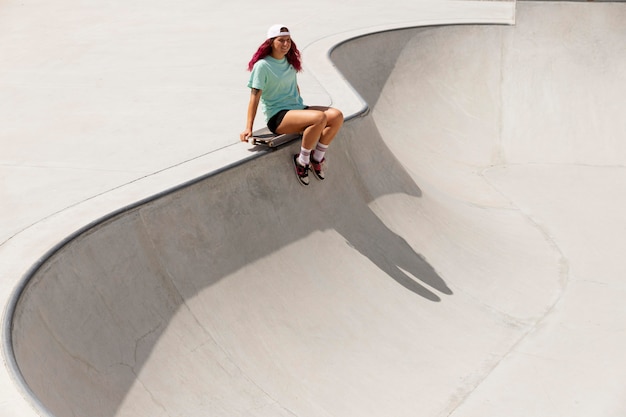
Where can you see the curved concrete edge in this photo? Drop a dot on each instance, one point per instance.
(18, 398)
(343, 95)
(46, 236)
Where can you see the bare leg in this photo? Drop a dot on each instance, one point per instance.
(334, 121)
(317, 123)
(310, 123)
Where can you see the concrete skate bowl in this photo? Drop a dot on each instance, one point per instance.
(437, 271)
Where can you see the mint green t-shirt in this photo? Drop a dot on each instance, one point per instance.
(277, 81)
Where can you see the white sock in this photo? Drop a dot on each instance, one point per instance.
(320, 151)
(305, 156)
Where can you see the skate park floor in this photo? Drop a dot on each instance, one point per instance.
(463, 258)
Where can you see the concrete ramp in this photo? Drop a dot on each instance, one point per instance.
(463, 258)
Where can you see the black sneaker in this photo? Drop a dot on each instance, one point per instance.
(318, 168)
(302, 172)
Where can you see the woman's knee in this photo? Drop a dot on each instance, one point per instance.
(320, 118)
(335, 116)
(315, 122)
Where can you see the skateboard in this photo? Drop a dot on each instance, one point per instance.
(265, 137)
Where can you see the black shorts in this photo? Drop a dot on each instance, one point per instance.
(276, 120)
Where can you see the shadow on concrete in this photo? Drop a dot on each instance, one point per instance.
(91, 315)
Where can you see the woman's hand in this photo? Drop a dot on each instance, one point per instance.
(245, 135)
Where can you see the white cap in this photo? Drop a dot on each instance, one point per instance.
(274, 31)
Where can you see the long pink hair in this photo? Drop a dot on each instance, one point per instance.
(293, 56)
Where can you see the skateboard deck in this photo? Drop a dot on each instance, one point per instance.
(265, 137)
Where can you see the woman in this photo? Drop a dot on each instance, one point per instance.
(273, 83)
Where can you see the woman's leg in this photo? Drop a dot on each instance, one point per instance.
(334, 121)
(310, 123)
(316, 123)
(318, 126)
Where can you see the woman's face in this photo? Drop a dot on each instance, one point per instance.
(281, 45)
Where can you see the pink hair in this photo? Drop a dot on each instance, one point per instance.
(293, 56)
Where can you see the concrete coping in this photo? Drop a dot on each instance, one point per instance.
(53, 232)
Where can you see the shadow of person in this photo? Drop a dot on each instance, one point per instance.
(392, 254)
(364, 231)
(342, 206)
(373, 171)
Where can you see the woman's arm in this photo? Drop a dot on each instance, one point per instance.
(253, 105)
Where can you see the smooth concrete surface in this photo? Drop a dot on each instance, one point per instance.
(104, 105)
(462, 259)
